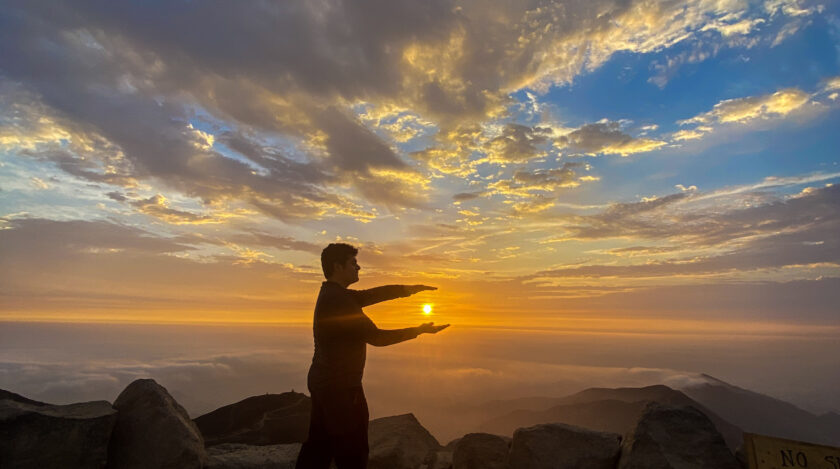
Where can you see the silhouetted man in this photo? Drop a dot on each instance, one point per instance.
(338, 427)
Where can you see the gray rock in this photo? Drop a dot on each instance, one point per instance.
(480, 451)
(675, 437)
(400, 442)
(451, 445)
(44, 436)
(241, 456)
(18, 398)
(560, 446)
(443, 460)
(153, 430)
(270, 419)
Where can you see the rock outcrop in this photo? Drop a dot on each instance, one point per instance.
(671, 437)
(400, 442)
(270, 419)
(8, 395)
(556, 445)
(38, 435)
(153, 430)
(241, 456)
(605, 410)
(481, 451)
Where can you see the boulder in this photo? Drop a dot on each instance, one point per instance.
(38, 435)
(153, 430)
(241, 456)
(400, 442)
(675, 437)
(442, 460)
(270, 419)
(480, 451)
(556, 445)
(451, 445)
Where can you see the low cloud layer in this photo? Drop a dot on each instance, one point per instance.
(441, 379)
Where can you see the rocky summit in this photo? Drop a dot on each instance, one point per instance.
(147, 428)
(269, 419)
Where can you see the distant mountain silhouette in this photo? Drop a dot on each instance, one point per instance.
(603, 409)
(731, 408)
(759, 413)
(830, 419)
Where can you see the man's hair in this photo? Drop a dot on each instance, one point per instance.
(336, 253)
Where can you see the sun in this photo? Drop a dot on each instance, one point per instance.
(427, 309)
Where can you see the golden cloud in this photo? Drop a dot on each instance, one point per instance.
(605, 137)
(743, 110)
(159, 207)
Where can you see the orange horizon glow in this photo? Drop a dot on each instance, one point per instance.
(611, 326)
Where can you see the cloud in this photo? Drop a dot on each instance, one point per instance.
(518, 144)
(463, 196)
(158, 207)
(525, 183)
(72, 269)
(744, 110)
(278, 242)
(168, 149)
(453, 150)
(38, 183)
(606, 138)
(116, 196)
(831, 84)
(292, 79)
(685, 218)
(792, 233)
(532, 206)
(690, 134)
(351, 146)
(46, 237)
(740, 27)
(754, 112)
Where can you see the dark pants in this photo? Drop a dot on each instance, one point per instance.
(338, 429)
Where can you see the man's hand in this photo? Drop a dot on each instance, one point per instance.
(412, 289)
(430, 328)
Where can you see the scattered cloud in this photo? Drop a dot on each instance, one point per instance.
(605, 137)
(744, 110)
(525, 183)
(420, 68)
(38, 183)
(518, 144)
(158, 207)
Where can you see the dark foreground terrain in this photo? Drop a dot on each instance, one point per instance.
(651, 427)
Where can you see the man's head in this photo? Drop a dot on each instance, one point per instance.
(338, 261)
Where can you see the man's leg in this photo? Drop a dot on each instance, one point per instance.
(350, 447)
(316, 452)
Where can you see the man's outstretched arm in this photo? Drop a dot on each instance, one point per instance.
(384, 337)
(372, 296)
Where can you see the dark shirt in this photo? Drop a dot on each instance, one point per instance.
(342, 332)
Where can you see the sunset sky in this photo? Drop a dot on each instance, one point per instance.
(613, 166)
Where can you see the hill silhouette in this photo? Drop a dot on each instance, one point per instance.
(605, 409)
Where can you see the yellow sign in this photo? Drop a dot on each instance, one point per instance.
(765, 452)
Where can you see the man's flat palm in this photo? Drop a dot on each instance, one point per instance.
(430, 328)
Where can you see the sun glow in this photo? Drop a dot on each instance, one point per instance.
(427, 309)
